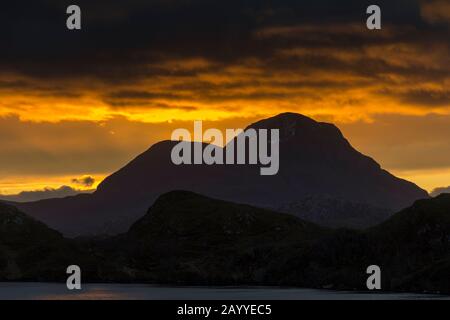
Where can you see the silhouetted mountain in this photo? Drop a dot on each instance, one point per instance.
(414, 240)
(315, 159)
(29, 250)
(187, 238)
(412, 249)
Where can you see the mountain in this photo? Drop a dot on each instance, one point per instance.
(29, 250)
(414, 240)
(315, 159)
(336, 213)
(190, 238)
(187, 238)
(412, 249)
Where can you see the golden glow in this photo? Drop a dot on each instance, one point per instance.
(426, 179)
(78, 125)
(216, 92)
(16, 184)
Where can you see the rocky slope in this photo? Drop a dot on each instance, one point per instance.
(336, 213)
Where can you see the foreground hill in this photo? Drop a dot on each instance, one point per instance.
(416, 243)
(29, 250)
(191, 238)
(412, 249)
(186, 238)
(315, 160)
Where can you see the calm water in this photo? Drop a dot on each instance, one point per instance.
(56, 291)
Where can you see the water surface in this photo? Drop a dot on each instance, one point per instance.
(58, 291)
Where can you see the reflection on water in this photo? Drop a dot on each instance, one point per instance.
(58, 291)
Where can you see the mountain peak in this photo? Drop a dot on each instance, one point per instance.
(286, 119)
(297, 125)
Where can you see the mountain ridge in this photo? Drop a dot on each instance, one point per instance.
(187, 238)
(315, 158)
(191, 239)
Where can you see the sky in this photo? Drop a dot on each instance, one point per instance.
(78, 104)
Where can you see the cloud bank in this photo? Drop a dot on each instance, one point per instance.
(47, 193)
(156, 61)
(439, 191)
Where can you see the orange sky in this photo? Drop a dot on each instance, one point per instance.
(388, 91)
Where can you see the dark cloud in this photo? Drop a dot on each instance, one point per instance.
(432, 98)
(145, 105)
(436, 11)
(86, 181)
(142, 43)
(119, 39)
(141, 95)
(35, 88)
(149, 100)
(47, 193)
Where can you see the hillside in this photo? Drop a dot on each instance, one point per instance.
(315, 160)
(336, 213)
(29, 250)
(190, 239)
(186, 238)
